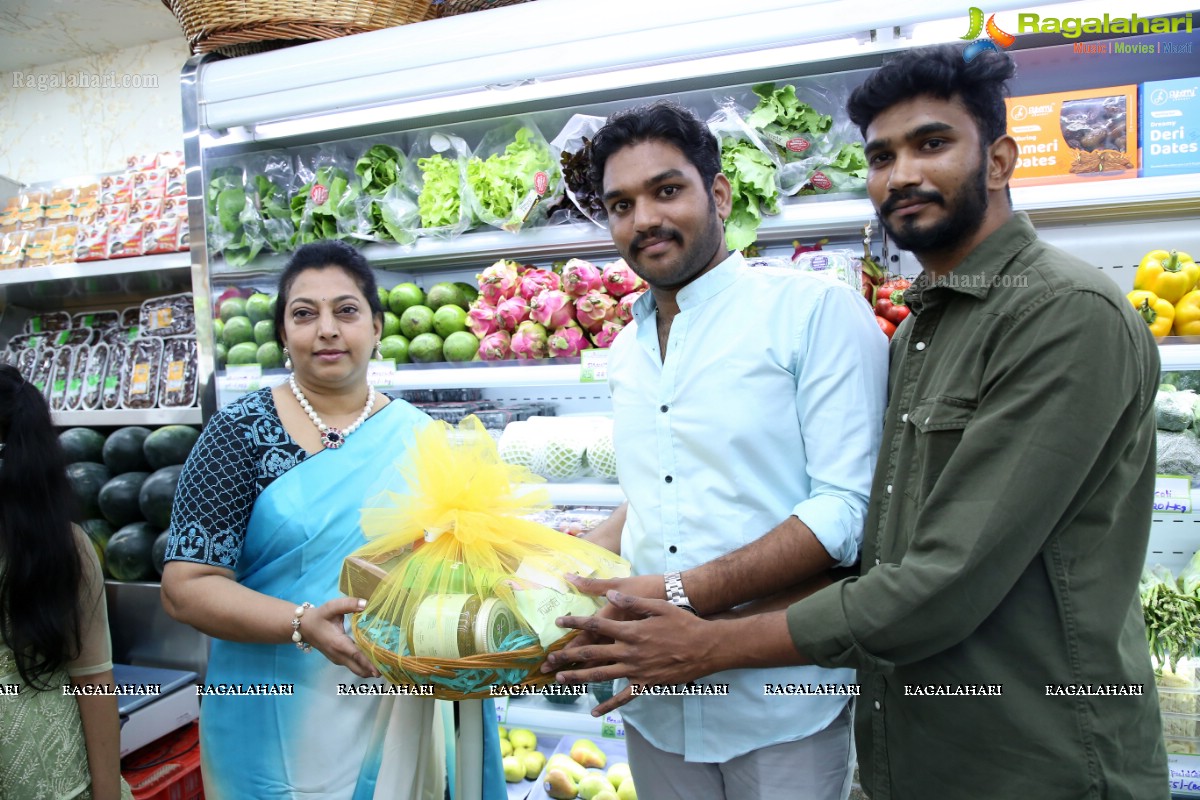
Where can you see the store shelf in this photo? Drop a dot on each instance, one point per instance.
(125, 416)
(93, 269)
(1179, 353)
(584, 493)
(540, 715)
(93, 285)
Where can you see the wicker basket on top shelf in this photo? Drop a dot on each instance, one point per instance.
(449, 8)
(242, 27)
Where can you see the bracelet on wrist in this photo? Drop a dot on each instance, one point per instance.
(298, 637)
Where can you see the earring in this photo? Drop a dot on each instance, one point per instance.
(287, 364)
(378, 351)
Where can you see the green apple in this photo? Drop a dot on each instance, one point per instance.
(606, 794)
(534, 761)
(506, 748)
(559, 785)
(627, 791)
(520, 737)
(618, 773)
(514, 770)
(593, 784)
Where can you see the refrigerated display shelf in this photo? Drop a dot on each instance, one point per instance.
(118, 417)
(93, 269)
(540, 715)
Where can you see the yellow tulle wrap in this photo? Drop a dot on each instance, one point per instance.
(448, 526)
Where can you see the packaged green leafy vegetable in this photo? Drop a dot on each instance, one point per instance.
(385, 211)
(752, 173)
(436, 175)
(270, 176)
(234, 227)
(793, 128)
(572, 149)
(324, 205)
(511, 172)
(846, 171)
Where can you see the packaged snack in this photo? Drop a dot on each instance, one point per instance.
(176, 185)
(1065, 137)
(62, 249)
(74, 337)
(29, 210)
(116, 188)
(91, 244)
(836, 265)
(174, 207)
(178, 379)
(27, 361)
(48, 322)
(38, 247)
(1170, 129)
(142, 375)
(182, 238)
(146, 210)
(111, 215)
(74, 391)
(12, 249)
(141, 161)
(8, 213)
(160, 236)
(43, 368)
(149, 184)
(169, 159)
(64, 364)
(168, 316)
(115, 375)
(97, 320)
(87, 202)
(59, 204)
(93, 373)
(125, 240)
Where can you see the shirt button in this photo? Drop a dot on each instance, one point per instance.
(877, 706)
(920, 345)
(663, 409)
(889, 488)
(904, 417)
(668, 479)
(672, 548)
(877, 562)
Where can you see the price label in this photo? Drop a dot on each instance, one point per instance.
(593, 366)
(1172, 494)
(381, 373)
(243, 378)
(1185, 774)
(612, 727)
(501, 710)
(139, 378)
(175, 373)
(163, 317)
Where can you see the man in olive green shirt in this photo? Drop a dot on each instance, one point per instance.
(996, 625)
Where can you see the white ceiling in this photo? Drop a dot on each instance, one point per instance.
(34, 33)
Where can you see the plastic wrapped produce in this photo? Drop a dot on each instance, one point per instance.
(93, 374)
(142, 376)
(177, 387)
(74, 389)
(48, 321)
(27, 362)
(98, 320)
(43, 370)
(172, 315)
(64, 365)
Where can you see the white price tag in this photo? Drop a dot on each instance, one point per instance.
(382, 373)
(1185, 774)
(242, 378)
(593, 366)
(1172, 494)
(612, 727)
(501, 710)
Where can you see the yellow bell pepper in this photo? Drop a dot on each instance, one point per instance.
(1187, 315)
(1170, 275)
(1158, 313)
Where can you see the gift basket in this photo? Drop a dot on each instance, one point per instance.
(462, 589)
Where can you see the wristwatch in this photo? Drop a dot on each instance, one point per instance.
(675, 594)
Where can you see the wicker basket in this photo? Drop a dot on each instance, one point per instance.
(448, 8)
(241, 27)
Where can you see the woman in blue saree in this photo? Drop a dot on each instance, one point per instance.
(267, 507)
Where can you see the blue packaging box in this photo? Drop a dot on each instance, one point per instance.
(1170, 129)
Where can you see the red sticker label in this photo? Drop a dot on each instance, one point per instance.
(820, 181)
(797, 144)
(319, 194)
(541, 182)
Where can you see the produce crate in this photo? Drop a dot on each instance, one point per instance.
(168, 769)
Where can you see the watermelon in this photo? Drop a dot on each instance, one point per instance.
(87, 479)
(119, 498)
(129, 553)
(158, 553)
(157, 494)
(82, 444)
(99, 532)
(169, 445)
(123, 450)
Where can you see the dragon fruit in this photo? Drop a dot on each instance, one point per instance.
(567, 341)
(625, 307)
(511, 313)
(498, 282)
(481, 319)
(594, 308)
(552, 308)
(618, 278)
(604, 336)
(580, 277)
(496, 346)
(535, 281)
(529, 341)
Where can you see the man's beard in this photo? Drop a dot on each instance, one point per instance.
(964, 218)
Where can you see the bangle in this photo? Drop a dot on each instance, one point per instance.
(297, 637)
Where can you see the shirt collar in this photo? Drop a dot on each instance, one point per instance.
(977, 273)
(699, 291)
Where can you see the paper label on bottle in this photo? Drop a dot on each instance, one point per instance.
(1172, 494)
(593, 366)
(139, 378)
(436, 624)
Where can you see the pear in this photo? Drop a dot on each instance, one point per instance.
(506, 748)
(593, 784)
(606, 794)
(618, 773)
(534, 761)
(564, 762)
(559, 785)
(627, 791)
(514, 770)
(587, 754)
(520, 737)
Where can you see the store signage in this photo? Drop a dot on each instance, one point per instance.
(612, 727)
(1172, 494)
(593, 366)
(1185, 774)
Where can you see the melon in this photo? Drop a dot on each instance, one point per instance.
(130, 552)
(82, 444)
(87, 479)
(123, 450)
(169, 445)
(601, 456)
(99, 532)
(118, 498)
(158, 553)
(158, 494)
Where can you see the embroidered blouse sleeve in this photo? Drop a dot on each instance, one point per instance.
(215, 496)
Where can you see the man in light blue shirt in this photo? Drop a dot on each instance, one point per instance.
(748, 408)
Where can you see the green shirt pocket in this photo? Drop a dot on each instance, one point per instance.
(939, 424)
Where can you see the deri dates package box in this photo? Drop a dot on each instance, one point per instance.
(1170, 128)
(1087, 134)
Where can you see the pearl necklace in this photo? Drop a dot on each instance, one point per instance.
(331, 437)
